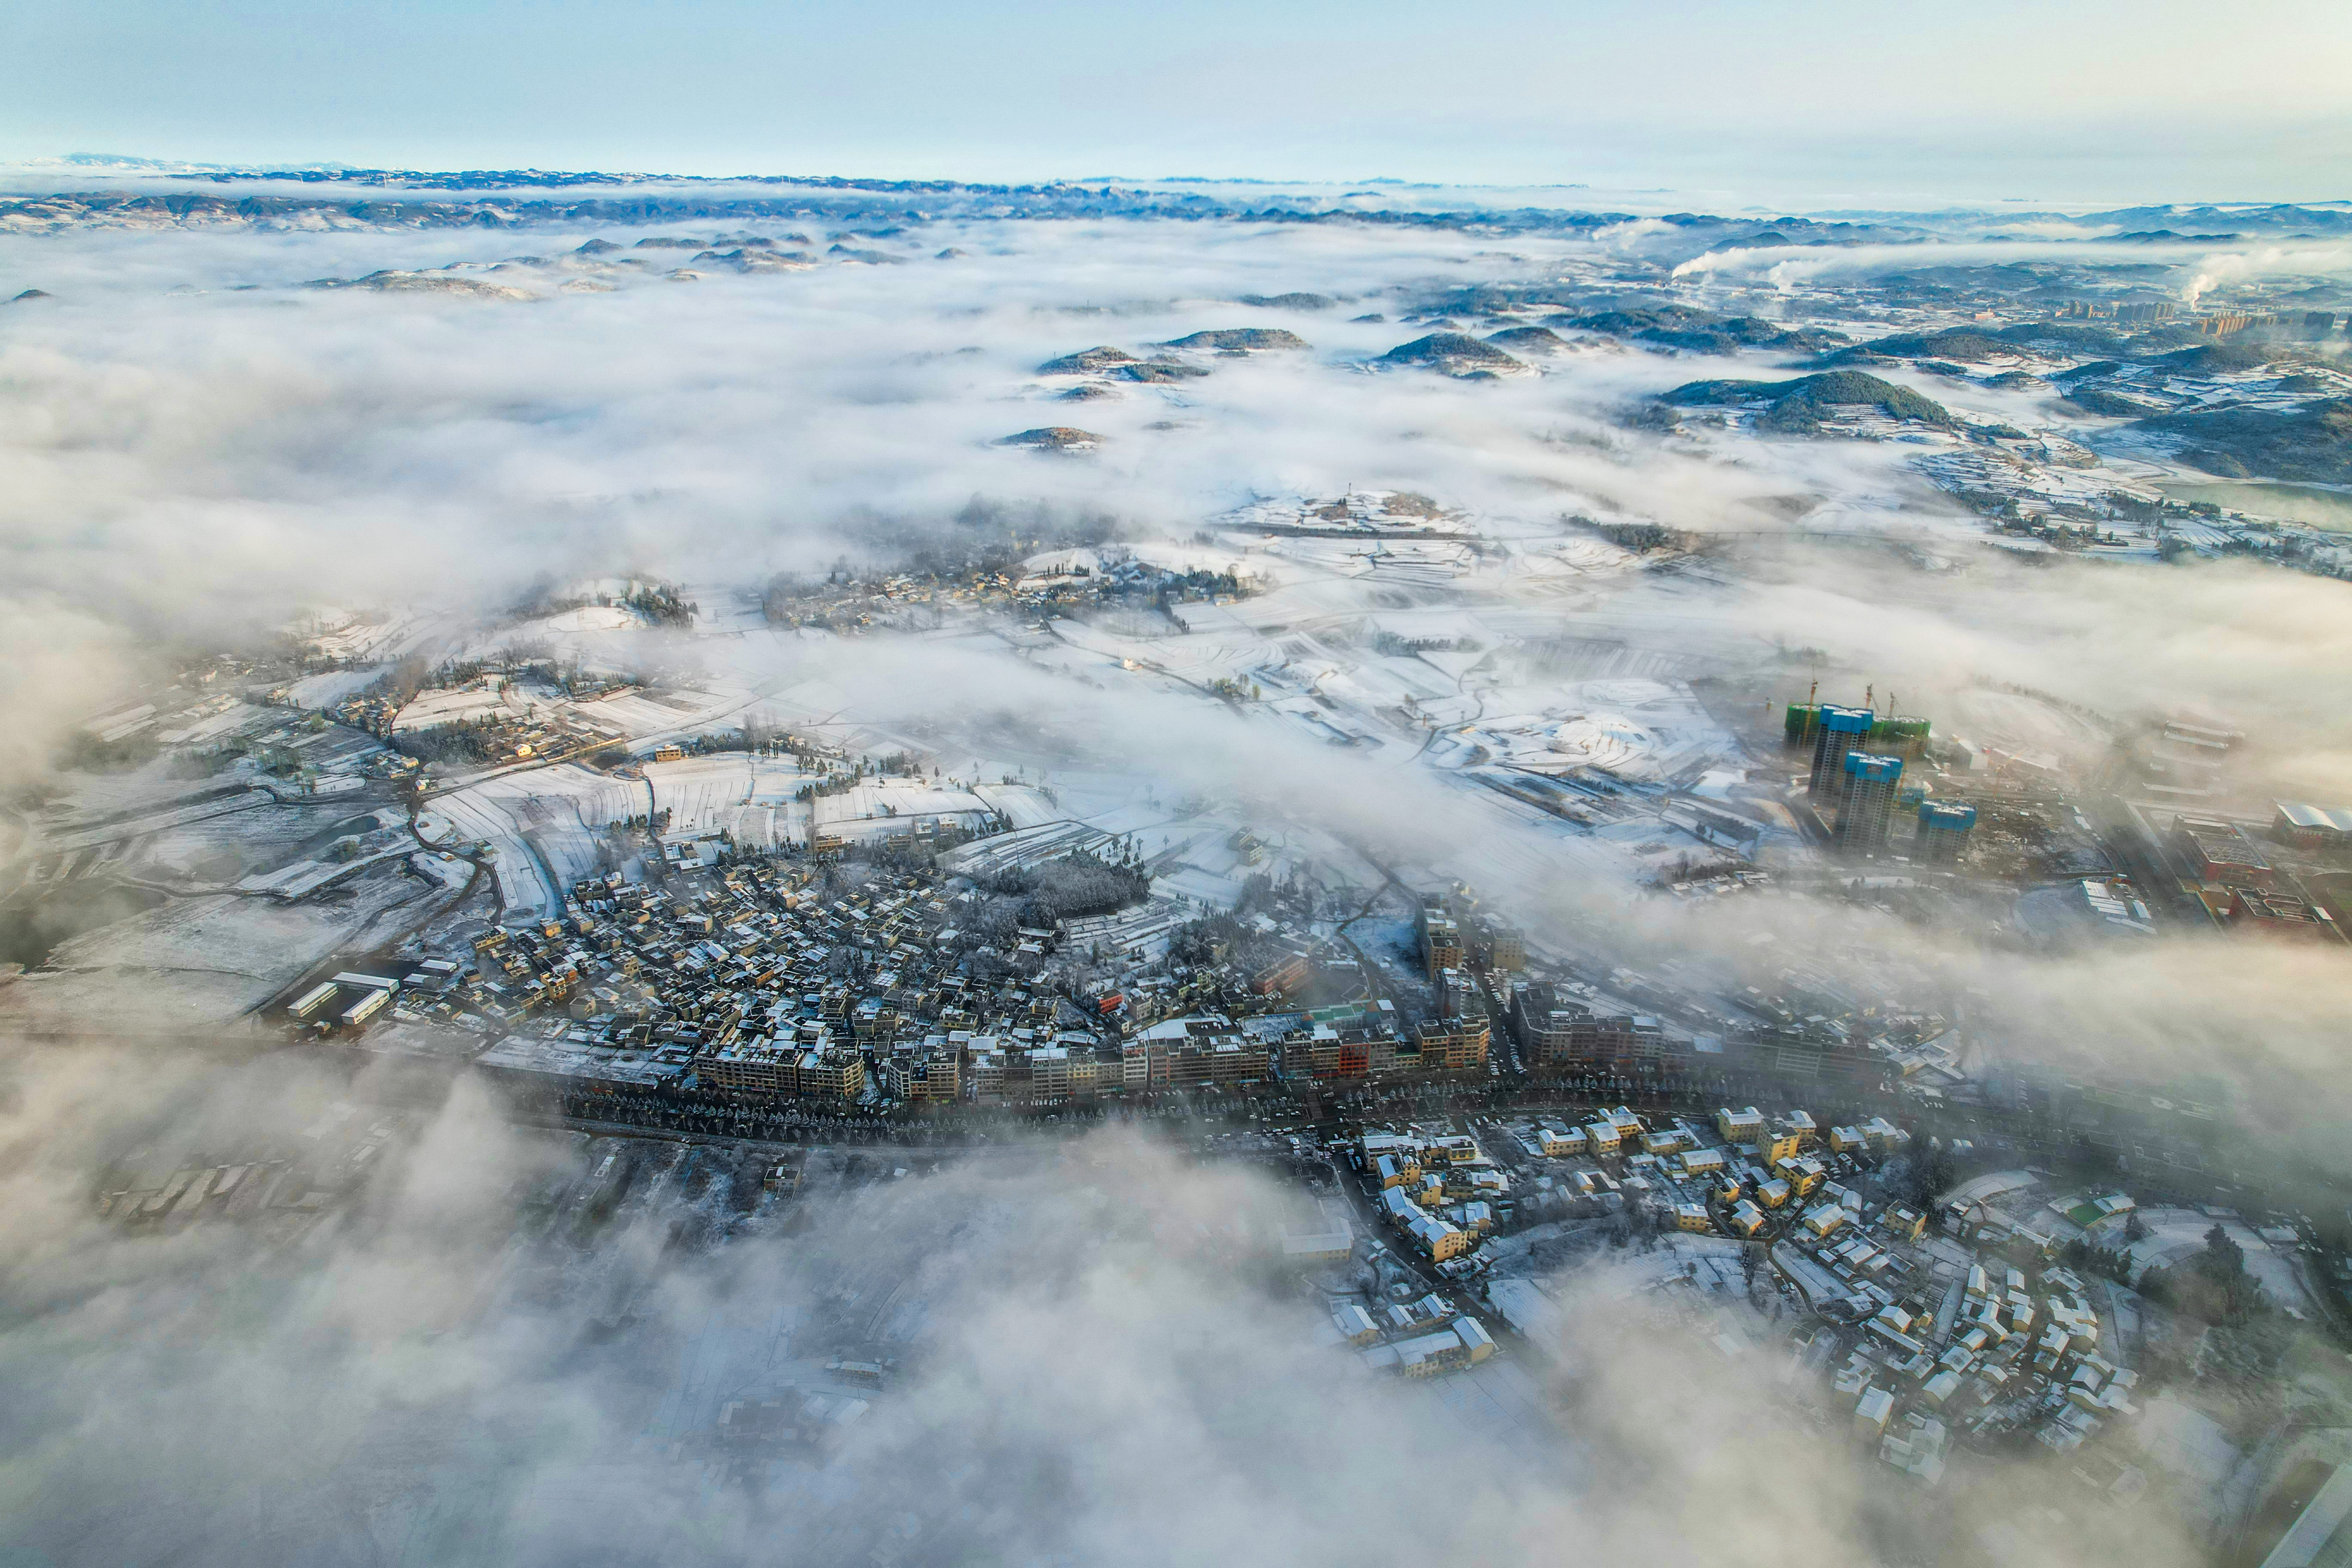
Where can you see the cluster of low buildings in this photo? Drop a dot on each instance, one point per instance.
(1413, 1339)
(1477, 967)
(1562, 1030)
(285, 1188)
(1442, 1194)
(1747, 1175)
(1954, 1325)
(766, 988)
(770, 976)
(530, 714)
(2003, 1350)
(2240, 887)
(762, 982)
(1066, 582)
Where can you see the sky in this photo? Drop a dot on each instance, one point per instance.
(1823, 102)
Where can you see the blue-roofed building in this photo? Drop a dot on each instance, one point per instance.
(1944, 828)
(1868, 803)
(1838, 731)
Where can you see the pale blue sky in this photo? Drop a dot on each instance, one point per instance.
(2080, 102)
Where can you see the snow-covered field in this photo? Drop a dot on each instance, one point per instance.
(542, 825)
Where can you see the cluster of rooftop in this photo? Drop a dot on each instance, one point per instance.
(774, 979)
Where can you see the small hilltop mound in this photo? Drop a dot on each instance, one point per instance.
(1160, 368)
(1528, 339)
(2107, 402)
(1960, 344)
(1088, 361)
(1455, 354)
(1054, 439)
(1801, 406)
(391, 282)
(1701, 331)
(745, 259)
(1248, 340)
(2229, 359)
(2308, 445)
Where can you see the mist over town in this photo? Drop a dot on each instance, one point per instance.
(845, 869)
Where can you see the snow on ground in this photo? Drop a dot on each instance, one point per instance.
(450, 871)
(1206, 619)
(303, 877)
(544, 827)
(2186, 1442)
(2175, 1234)
(331, 687)
(1499, 1399)
(1602, 739)
(1530, 1312)
(1202, 890)
(475, 701)
(885, 808)
(224, 719)
(655, 715)
(2015, 722)
(367, 638)
(1638, 730)
(593, 618)
(1028, 846)
(224, 955)
(739, 618)
(1020, 805)
(694, 789)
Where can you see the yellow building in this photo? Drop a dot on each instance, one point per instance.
(757, 1067)
(1700, 1161)
(1459, 1045)
(831, 1074)
(1558, 1144)
(1355, 1324)
(1441, 1239)
(1823, 1218)
(1738, 1126)
(1804, 1173)
(1774, 1145)
(1430, 1354)
(934, 1080)
(1845, 1139)
(1903, 1221)
(1692, 1216)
